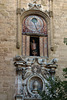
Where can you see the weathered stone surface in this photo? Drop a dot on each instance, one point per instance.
(8, 32)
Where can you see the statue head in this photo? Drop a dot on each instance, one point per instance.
(33, 41)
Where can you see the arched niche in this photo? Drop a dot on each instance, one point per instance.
(37, 13)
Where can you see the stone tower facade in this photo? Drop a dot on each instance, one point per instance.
(21, 22)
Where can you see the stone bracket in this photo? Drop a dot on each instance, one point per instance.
(18, 11)
(52, 48)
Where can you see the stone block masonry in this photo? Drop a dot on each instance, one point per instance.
(8, 50)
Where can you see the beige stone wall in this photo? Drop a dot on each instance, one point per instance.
(60, 31)
(8, 31)
(7, 48)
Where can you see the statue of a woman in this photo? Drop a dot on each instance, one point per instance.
(34, 48)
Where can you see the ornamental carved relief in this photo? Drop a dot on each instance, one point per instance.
(31, 75)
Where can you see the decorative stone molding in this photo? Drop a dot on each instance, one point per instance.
(34, 6)
(51, 22)
(23, 10)
(29, 61)
(32, 73)
(25, 13)
(47, 12)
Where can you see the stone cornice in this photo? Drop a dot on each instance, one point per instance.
(20, 62)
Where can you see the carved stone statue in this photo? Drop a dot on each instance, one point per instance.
(34, 48)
